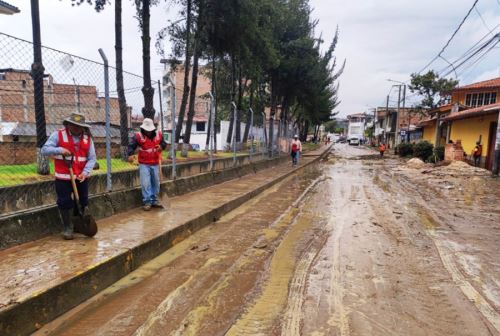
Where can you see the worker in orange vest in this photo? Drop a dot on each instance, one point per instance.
(150, 143)
(381, 149)
(74, 141)
(477, 152)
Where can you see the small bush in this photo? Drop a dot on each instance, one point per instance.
(423, 150)
(405, 149)
(439, 152)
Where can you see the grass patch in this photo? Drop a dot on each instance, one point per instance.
(11, 175)
(310, 146)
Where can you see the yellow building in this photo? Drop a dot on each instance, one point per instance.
(472, 116)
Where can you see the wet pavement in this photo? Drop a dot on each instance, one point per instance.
(32, 269)
(354, 245)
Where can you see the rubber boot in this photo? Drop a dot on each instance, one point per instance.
(68, 225)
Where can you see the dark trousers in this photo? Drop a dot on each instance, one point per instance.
(64, 191)
(477, 161)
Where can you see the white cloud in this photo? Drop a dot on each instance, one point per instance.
(379, 39)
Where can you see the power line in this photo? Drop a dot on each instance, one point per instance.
(484, 22)
(483, 47)
(451, 38)
(469, 52)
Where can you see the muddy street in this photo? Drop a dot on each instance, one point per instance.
(354, 245)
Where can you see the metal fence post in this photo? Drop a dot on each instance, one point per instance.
(109, 184)
(251, 133)
(212, 129)
(265, 132)
(172, 141)
(161, 108)
(234, 132)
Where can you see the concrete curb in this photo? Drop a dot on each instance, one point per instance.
(26, 317)
(39, 222)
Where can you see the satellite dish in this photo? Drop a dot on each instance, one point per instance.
(67, 62)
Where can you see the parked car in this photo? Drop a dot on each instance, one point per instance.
(341, 139)
(354, 141)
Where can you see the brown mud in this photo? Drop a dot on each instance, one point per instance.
(356, 245)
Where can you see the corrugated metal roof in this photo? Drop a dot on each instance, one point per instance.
(29, 129)
(6, 8)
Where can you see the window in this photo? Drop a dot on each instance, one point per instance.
(200, 127)
(2, 76)
(474, 100)
(493, 98)
(480, 99)
(468, 99)
(487, 98)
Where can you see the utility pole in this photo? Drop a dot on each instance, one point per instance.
(407, 136)
(37, 70)
(396, 134)
(386, 119)
(496, 161)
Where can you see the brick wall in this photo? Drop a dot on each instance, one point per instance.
(60, 100)
(16, 153)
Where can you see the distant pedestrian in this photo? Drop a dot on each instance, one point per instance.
(150, 143)
(296, 150)
(381, 149)
(71, 145)
(477, 152)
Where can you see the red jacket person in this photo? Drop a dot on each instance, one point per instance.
(74, 141)
(150, 143)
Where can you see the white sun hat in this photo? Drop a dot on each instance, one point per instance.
(148, 125)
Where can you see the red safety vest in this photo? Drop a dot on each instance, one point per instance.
(148, 152)
(295, 147)
(80, 153)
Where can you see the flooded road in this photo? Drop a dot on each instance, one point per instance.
(354, 245)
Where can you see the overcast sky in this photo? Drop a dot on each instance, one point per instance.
(380, 39)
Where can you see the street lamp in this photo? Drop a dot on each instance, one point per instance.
(401, 84)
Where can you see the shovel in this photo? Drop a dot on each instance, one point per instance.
(83, 223)
(164, 201)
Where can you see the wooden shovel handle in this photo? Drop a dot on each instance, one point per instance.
(73, 184)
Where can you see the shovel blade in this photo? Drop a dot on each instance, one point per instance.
(85, 225)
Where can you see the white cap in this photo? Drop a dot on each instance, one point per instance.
(148, 125)
(295, 136)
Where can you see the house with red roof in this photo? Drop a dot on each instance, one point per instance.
(471, 117)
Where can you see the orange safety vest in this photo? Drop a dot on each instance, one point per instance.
(80, 153)
(478, 150)
(148, 151)
(382, 148)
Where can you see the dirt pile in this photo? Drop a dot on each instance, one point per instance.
(463, 168)
(415, 163)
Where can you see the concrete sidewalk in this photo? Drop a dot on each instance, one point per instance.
(43, 279)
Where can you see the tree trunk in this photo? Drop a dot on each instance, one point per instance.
(249, 116)
(192, 98)
(119, 81)
(231, 113)
(214, 92)
(304, 131)
(148, 91)
(239, 104)
(185, 90)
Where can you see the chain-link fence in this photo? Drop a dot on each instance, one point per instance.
(30, 113)
(70, 84)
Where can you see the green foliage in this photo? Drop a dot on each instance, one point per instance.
(405, 149)
(439, 153)
(423, 150)
(265, 55)
(330, 126)
(429, 85)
